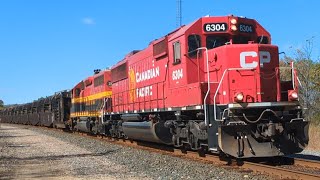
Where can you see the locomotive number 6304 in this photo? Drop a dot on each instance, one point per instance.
(215, 27)
(246, 28)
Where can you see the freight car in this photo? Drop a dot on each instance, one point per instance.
(212, 85)
(51, 111)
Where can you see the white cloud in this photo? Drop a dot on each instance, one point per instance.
(88, 21)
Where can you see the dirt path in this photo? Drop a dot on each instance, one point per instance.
(25, 154)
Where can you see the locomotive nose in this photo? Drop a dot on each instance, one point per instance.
(253, 74)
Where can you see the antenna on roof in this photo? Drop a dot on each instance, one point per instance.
(179, 13)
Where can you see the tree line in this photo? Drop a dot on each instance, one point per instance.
(1, 104)
(308, 70)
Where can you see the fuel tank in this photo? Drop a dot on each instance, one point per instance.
(83, 126)
(147, 131)
(131, 117)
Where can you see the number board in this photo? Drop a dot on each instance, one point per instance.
(246, 28)
(215, 27)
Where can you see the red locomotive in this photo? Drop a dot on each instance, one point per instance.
(90, 99)
(211, 85)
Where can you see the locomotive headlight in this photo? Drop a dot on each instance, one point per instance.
(233, 21)
(239, 97)
(234, 27)
(293, 95)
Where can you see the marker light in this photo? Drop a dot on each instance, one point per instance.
(233, 21)
(238, 97)
(293, 95)
(234, 27)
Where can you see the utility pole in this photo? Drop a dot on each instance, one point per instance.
(179, 13)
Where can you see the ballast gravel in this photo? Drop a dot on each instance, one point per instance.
(28, 152)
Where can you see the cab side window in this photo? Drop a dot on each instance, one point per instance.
(98, 81)
(263, 40)
(176, 52)
(194, 42)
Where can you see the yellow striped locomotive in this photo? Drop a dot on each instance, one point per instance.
(213, 85)
(91, 99)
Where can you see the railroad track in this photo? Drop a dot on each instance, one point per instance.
(283, 172)
(307, 163)
(283, 168)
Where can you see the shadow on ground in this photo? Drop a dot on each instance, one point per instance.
(58, 157)
(306, 156)
(8, 136)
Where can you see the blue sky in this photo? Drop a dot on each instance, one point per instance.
(50, 45)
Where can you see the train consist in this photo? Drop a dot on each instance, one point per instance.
(210, 85)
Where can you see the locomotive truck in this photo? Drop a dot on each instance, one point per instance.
(211, 85)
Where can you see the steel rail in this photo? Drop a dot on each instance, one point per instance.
(278, 171)
(307, 163)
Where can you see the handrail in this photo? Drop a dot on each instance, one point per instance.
(216, 93)
(294, 77)
(208, 91)
(102, 109)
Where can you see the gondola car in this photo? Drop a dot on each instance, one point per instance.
(49, 111)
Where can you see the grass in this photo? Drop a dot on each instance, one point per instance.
(314, 136)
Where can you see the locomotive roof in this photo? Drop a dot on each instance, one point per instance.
(181, 31)
(90, 78)
(175, 33)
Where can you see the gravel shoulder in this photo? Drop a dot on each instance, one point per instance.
(28, 152)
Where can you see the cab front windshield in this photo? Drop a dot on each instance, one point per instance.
(214, 41)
